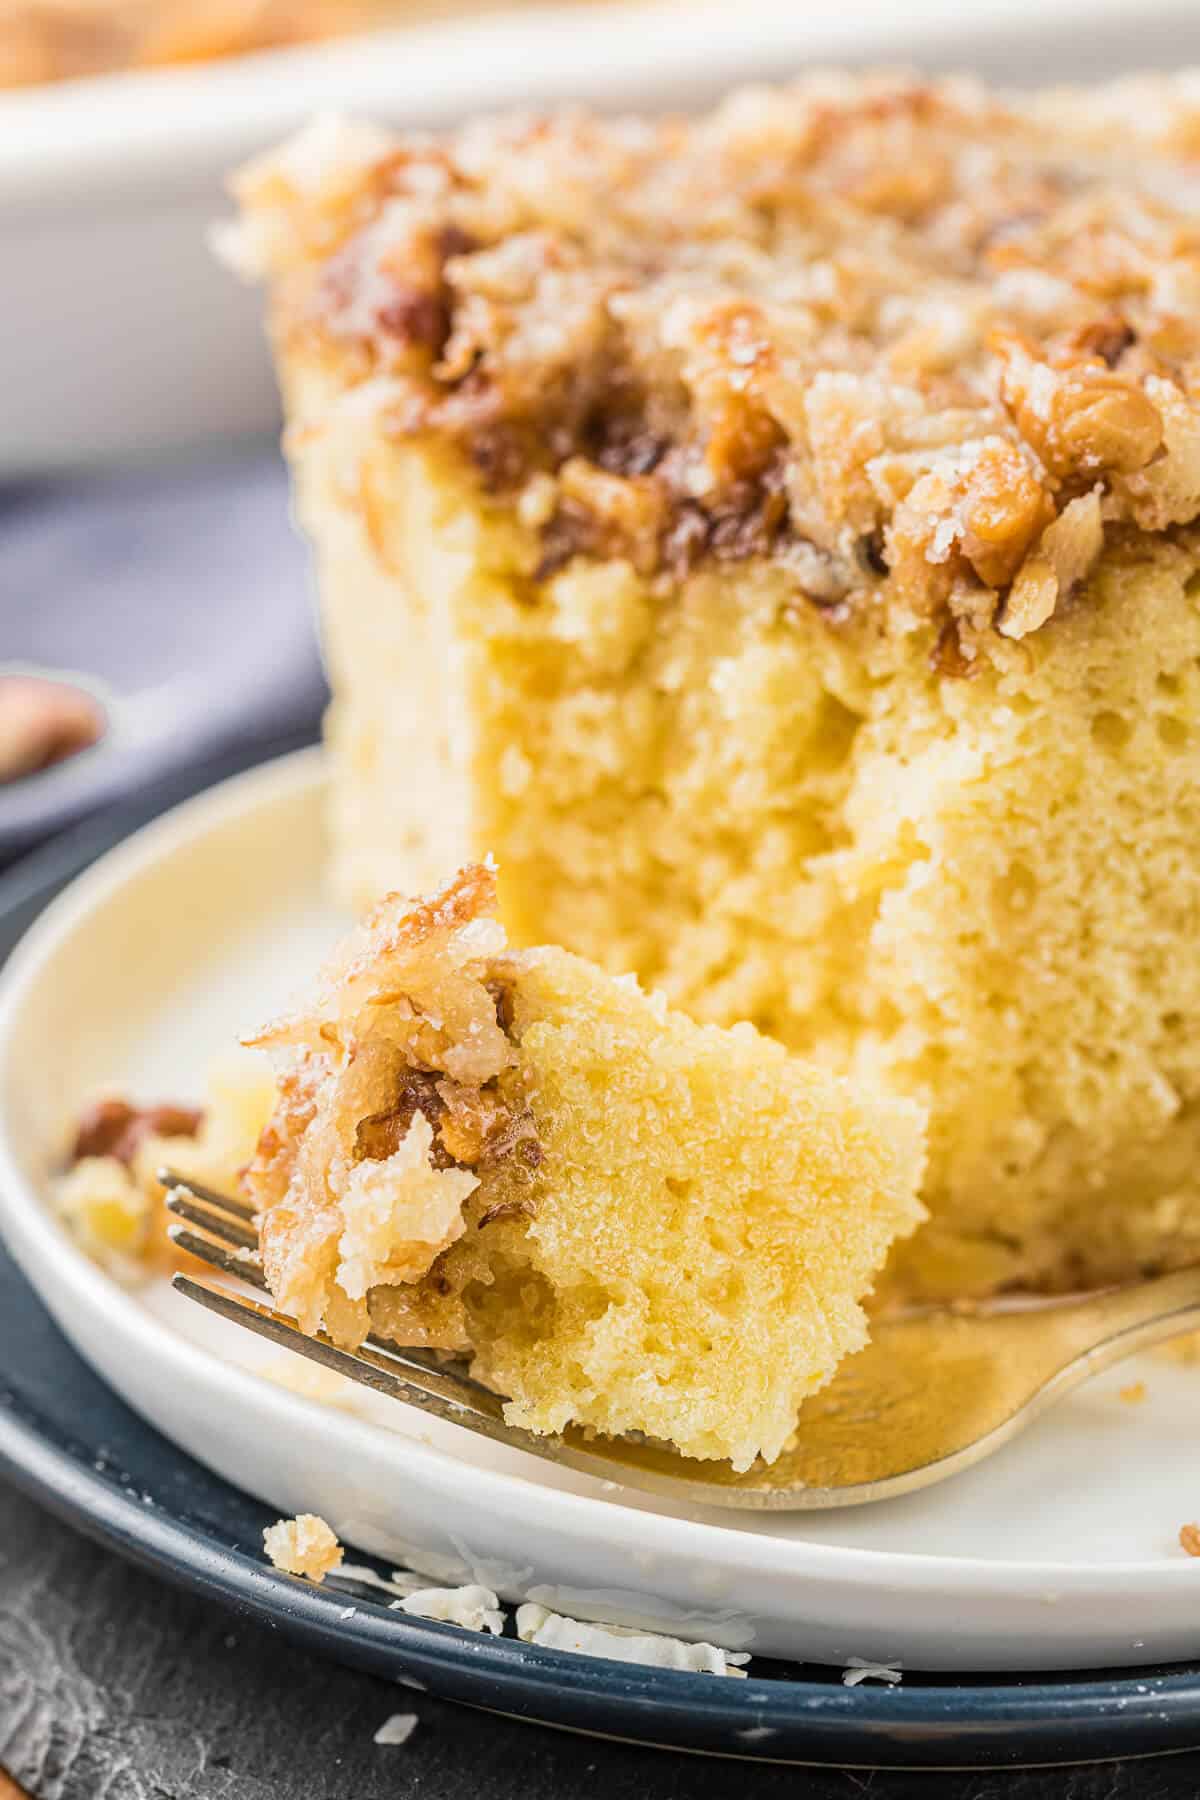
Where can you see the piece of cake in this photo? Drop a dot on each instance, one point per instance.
(774, 534)
(626, 1220)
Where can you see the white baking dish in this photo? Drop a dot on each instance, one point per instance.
(120, 335)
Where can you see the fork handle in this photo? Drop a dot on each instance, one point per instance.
(1106, 1327)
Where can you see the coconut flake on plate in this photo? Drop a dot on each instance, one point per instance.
(858, 1669)
(537, 1625)
(474, 1607)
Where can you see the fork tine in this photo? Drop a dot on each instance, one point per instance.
(433, 1393)
(172, 1180)
(230, 1262)
(182, 1198)
(445, 1396)
(227, 1230)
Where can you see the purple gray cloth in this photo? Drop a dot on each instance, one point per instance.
(182, 597)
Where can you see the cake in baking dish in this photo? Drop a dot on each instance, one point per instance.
(623, 1218)
(774, 535)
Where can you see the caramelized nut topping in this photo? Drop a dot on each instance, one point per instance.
(381, 1134)
(398, 1096)
(856, 310)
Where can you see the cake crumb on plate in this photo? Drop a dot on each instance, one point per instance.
(305, 1545)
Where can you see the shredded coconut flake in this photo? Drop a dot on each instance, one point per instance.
(397, 1729)
(401, 1583)
(473, 1607)
(616, 1643)
(858, 1669)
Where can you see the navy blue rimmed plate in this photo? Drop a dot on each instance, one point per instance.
(71, 1443)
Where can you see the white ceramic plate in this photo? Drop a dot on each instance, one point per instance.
(1060, 1552)
(121, 333)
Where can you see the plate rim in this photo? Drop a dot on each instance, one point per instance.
(36, 1237)
(878, 1718)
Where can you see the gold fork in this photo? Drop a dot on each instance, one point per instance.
(934, 1392)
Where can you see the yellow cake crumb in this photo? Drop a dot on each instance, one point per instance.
(106, 1208)
(305, 1545)
(1134, 1394)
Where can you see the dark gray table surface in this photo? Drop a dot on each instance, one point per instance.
(112, 1686)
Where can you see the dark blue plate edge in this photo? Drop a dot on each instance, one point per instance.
(818, 1723)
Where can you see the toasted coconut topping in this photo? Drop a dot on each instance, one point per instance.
(925, 347)
(389, 1105)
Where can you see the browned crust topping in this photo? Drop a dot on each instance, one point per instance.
(395, 925)
(921, 346)
(404, 1057)
(395, 960)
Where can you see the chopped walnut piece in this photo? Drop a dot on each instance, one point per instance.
(1103, 423)
(1066, 552)
(1004, 507)
(629, 510)
(380, 1134)
(1081, 418)
(113, 1127)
